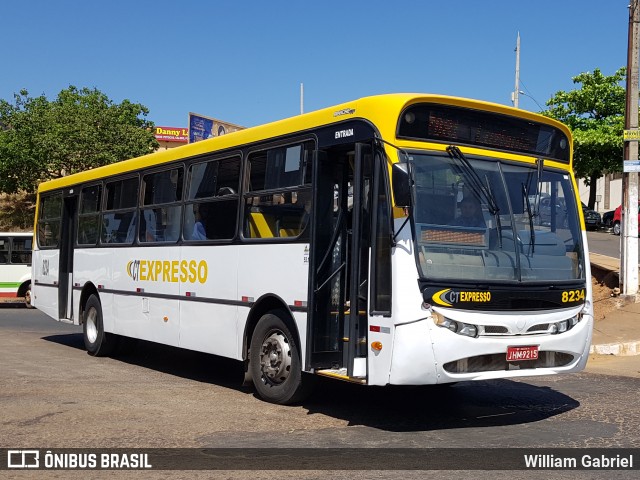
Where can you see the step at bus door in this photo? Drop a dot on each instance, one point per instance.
(67, 240)
(338, 291)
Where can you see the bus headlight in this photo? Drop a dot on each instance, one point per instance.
(566, 325)
(445, 322)
(460, 328)
(468, 330)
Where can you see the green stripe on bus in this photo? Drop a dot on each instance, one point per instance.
(9, 284)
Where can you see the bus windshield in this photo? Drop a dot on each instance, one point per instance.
(483, 220)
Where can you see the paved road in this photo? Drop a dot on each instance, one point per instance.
(604, 243)
(53, 395)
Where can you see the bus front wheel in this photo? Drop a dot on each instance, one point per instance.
(274, 362)
(97, 342)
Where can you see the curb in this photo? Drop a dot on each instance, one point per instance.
(620, 349)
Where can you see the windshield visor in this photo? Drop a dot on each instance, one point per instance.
(492, 221)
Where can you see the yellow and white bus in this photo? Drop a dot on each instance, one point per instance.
(396, 239)
(15, 265)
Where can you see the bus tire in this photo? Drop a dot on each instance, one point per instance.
(274, 362)
(27, 297)
(97, 342)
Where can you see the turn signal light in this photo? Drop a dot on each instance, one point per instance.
(377, 346)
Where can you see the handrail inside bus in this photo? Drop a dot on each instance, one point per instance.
(334, 239)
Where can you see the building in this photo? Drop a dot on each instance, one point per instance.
(608, 192)
(171, 137)
(201, 128)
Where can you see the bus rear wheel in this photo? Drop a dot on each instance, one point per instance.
(97, 342)
(274, 362)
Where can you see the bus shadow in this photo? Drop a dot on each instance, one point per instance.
(488, 403)
(12, 304)
(73, 340)
(188, 364)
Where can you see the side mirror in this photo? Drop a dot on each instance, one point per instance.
(401, 184)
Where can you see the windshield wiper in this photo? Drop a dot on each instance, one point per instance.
(539, 168)
(477, 187)
(532, 234)
(497, 217)
(475, 182)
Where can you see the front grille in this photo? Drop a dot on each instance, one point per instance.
(499, 330)
(498, 361)
(543, 327)
(495, 330)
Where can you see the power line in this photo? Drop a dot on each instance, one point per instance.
(528, 94)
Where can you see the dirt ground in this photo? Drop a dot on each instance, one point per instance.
(604, 301)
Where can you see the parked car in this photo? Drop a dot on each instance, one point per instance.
(617, 218)
(607, 219)
(592, 219)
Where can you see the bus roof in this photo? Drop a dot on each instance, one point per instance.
(381, 110)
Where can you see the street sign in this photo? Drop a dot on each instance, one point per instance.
(631, 166)
(631, 135)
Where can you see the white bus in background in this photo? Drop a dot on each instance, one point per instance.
(15, 265)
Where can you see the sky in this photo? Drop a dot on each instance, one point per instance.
(243, 61)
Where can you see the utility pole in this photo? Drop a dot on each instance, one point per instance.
(516, 90)
(629, 237)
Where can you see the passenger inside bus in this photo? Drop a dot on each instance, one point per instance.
(470, 214)
(199, 232)
(150, 230)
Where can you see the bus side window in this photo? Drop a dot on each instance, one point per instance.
(212, 207)
(50, 220)
(149, 231)
(278, 177)
(220, 218)
(21, 250)
(4, 250)
(161, 217)
(89, 215)
(119, 219)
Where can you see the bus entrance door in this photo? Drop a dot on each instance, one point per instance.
(339, 263)
(67, 240)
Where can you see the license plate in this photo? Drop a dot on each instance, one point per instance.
(519, 354)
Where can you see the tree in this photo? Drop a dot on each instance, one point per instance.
(79, 130)
(595, 115)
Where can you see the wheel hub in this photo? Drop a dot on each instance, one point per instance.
(275, 358)
(92, 325)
